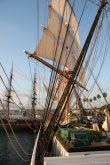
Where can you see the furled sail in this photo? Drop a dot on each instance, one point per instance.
(51, 41)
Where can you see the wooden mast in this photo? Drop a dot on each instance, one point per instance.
(67, 108)
(9, 94)
(65, 74)
(79, 104)
(62, 73)
(34, 98)
(48, 134)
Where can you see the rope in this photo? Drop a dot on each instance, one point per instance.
(11, 84)
(17, 105)
(30, 69)
(14, 133)
(106, 8)
(94, 46)
(52, 79)
(74, 35)
(103, 60)
(12, 142)
(16, 95)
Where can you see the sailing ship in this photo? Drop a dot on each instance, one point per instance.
(60, 43)
(17, 116)
(66, 131)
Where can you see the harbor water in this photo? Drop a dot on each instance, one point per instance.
(8, 155)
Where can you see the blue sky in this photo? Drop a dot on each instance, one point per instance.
(18, 31)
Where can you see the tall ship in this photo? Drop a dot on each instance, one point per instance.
(81, 139)
(72, 46)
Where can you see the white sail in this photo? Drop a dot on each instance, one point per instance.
(49, 42)
(59, 6)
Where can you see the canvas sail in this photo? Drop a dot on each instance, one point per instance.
(51, 41)
(59, 5)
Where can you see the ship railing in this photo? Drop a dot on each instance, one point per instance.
(34, 150)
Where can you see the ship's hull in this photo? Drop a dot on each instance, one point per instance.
(19, 124)
(61, 156)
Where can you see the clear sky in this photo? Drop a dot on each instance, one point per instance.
(18, 31)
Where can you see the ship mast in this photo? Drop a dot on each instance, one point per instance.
(48, 134)
(57, 70)
(79, 103)
(66, 117)
(8, 100)
(34, 98)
